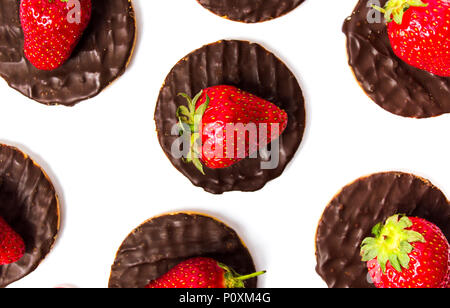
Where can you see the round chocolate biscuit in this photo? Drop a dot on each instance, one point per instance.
(251, 68)
(352, 214)
(159, 244)
(250, 11)
(100, 57)
(28, 202)
(389, 81)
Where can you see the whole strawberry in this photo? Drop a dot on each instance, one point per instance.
(230, 123)
(12, 247)
(52, 29)
(419, 32)
(201, 273)
(407, 252)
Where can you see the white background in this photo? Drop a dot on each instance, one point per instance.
(111, 174)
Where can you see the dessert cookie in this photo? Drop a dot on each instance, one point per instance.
(250, 11)
(390, 82)
(161, 243)
(351, 215)
(250, 68)
(100, 57)
(28, 202)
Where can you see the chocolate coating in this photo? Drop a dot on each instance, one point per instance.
(250, 11)
(351, 215)
(28, 202)
(389, 81)
(251, 68)
(159, 244)
(100, 57)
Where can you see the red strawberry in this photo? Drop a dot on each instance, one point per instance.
(12, 246)
(201, 273)
(52, 29)
(407, 253)
(232, 124)
(419, 31)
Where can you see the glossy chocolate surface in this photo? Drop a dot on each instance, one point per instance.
(29, 204)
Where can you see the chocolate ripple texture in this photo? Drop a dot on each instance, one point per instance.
(250, 11)
(160, 243)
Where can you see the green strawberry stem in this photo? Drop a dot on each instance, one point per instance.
(391, 242)
(247, 277)
(235, 281)
(190, 118)
(395, 9)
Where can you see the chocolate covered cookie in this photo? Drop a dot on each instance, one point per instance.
(351, 215)
(161, 243)
(389, 81)
(250, 11)
(236, 68)
(29, 204)
(100, 57)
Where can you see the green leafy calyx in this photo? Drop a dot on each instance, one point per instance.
(391, 242)
(189, 119)
(395, 9)
(235, 281)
